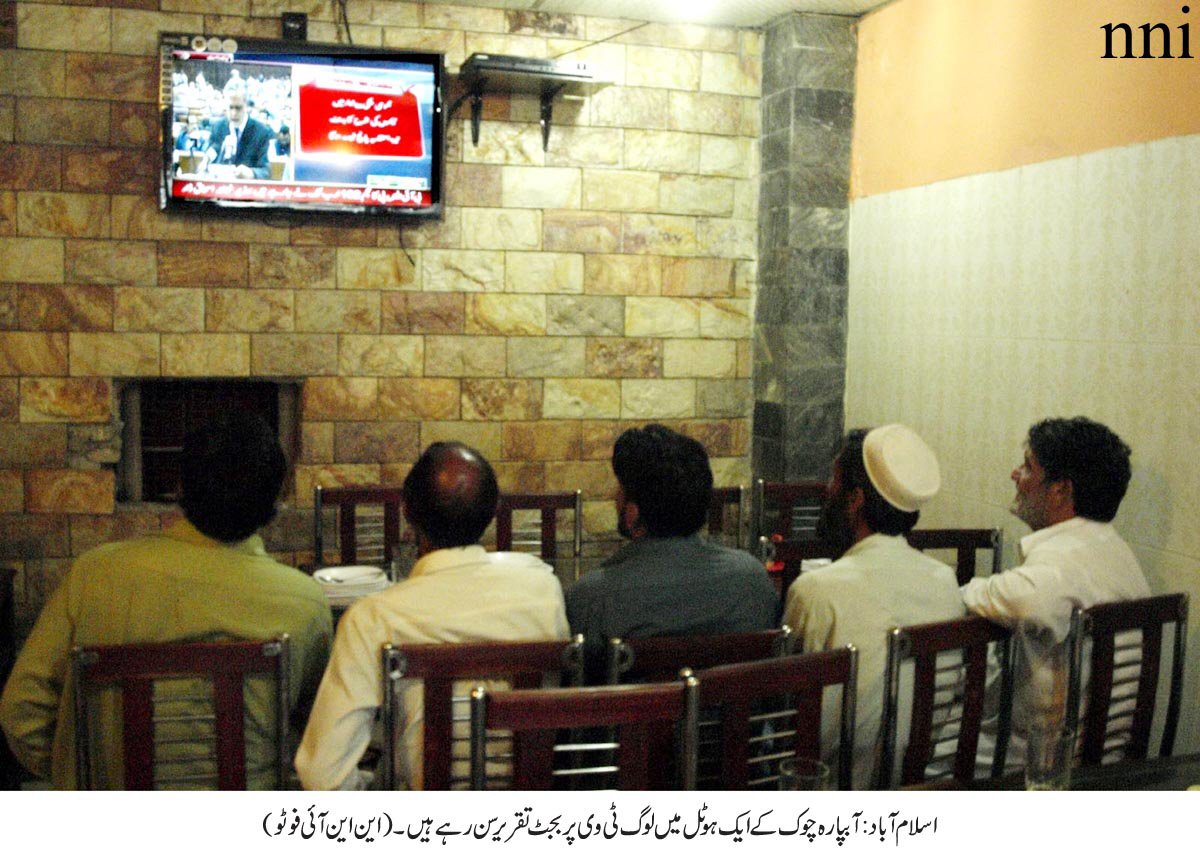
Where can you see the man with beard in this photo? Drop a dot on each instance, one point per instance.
(880, 480)
(667, 580)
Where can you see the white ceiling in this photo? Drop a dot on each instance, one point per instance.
(730, 13)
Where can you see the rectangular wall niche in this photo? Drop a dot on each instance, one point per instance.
(159, 413)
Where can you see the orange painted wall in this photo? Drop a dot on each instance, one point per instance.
(950, 88)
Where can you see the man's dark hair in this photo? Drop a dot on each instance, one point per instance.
(880, 515)
(232, 471)
(667, 475)
(1091, 456)
(450, 494)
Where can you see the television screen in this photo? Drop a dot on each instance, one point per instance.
(293, 125)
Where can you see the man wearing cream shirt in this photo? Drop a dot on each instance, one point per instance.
(456, 593)
(880, 480)
(1069, 486)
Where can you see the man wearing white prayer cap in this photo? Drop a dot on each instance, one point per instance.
(880, 480)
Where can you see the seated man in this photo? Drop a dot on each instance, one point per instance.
(207, 577)
(880, 480)
(1069, 488)
(667, 580)
(456, 593)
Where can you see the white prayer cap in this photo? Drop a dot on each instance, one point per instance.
(901, 466)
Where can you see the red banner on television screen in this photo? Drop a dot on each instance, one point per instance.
(352, 119)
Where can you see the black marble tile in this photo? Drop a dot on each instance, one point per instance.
(828, 107)
(777, 111)
(831, 33)
(777, 151)
(818, 226)
(821, 184)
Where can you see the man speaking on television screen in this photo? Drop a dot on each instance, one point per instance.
(238, 141)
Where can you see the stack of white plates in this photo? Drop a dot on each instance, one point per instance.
(344, 584)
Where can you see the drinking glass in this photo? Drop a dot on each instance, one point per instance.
(801, 773)
(1048, 759)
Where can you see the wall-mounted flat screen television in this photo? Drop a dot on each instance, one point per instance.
(256, 123)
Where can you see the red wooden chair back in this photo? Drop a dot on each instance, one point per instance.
(523, 664)
(134, 669)
(362, 538)
(964, 542)
(950, 690)
(1111, 728)
(787, 511)
(786, 694)
(548, 505)
(645, 722)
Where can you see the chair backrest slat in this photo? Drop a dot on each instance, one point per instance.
(1103, 625)
(661, 658)
(137, 732)
(134, 669)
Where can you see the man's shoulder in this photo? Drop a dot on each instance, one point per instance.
(591, 585)
(169, 558)
(734, 563)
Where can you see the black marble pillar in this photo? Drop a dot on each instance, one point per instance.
(800, 316)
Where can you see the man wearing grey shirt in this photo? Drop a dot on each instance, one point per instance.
(667, 580)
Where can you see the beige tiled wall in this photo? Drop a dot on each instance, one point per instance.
(980, 305)
(565, 294)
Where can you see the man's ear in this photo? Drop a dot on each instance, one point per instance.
(1063, 493)
(630, 514)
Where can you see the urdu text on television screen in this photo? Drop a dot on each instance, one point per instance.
(334, 131)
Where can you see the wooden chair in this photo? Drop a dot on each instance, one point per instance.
(770, 710)
(1123, 681)
(544, 535)
(965, 543)
(368, 524)
(949, 677)
(726, 516)
(646, 720)
(662, 658)
(523, 664)
(164, 731)
(788, 511)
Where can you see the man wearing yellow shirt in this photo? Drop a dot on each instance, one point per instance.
(208, 577)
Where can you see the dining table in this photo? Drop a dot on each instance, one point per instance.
(1154, 773)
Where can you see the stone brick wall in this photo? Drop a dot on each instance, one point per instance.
(565, 295)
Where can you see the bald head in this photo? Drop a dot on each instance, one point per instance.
(450, 495)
